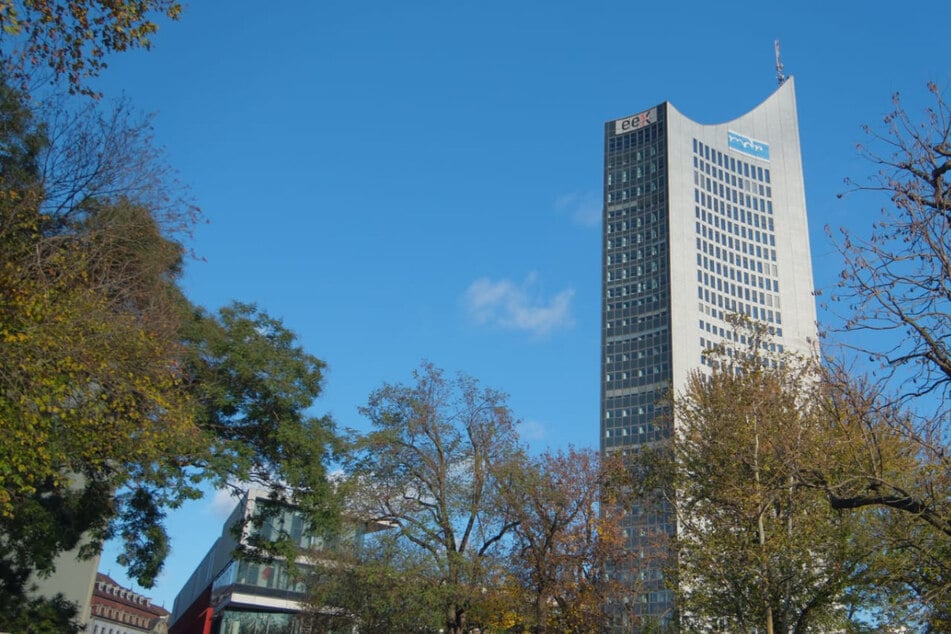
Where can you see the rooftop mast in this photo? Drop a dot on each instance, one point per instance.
(779, 65)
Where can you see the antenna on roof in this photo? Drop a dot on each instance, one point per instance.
(779, 65)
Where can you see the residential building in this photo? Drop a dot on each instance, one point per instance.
(115, 609)
(700, 222)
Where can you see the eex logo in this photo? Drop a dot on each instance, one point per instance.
(635, 122)
(747, 145)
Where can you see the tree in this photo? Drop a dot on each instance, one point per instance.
(89, 363)
(71, 38)
(896, 283)
(755, 550)
(896, 287)
(566, 538)
(428, 467)
(253, 385)
(118, 395)
(380, 587)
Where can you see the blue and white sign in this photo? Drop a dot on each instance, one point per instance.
(746, 145)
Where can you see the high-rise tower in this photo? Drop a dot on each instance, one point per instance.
(700, 221)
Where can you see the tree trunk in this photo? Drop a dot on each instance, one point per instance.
(762, 531)
(541, 613)
(456, 620)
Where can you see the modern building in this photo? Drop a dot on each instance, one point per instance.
(227, 594)
(116, 609)
(700, 222)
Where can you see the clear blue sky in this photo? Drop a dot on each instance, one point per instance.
(421, 180)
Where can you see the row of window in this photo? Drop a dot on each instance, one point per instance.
(719, 301)
(739, 238)
(745, 245)
(641, 370)
(638, 210)
(639, 154)
(711, 249)
(625, 309)
(640, 324)
(254, 622)
(636, 306)
(274, 575)
(655, 251)
(120, 616)
(753, 273)
(716, 364)
(707, 346)
(733, 189)
(739, 291)
(728, 196)
(623, 349)
(630, 193)
(651, 284)
(729, 334)
(639, 237)
(633, 407)
(618, 440)
(121, 593)
(647, 135)
(640, 417)
(735, 165)
(628, 256)
(281, 521)
(640, 353)
(105, 629)
(636, 433)
(634, 272)
(734, 180)
(635, 172)
(645, 219)
(715, 313)
(750, 224)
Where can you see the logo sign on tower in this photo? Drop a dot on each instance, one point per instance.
(636, 121)
(746, 145)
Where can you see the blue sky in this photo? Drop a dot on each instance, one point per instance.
(421, 180)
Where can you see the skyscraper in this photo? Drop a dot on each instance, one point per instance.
(700, 221)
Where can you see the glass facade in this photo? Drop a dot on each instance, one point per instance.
(256, 622)
(636, 326)
(262, 596)
(273, 576)
(284, 521)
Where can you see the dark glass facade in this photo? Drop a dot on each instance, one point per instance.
(636, 328)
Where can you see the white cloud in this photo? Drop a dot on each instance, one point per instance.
(513, 306)
(530, 430)
(584, 208)
(222, 503)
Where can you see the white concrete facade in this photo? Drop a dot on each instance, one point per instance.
(775, 124)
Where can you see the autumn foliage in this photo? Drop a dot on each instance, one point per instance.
(70, 39)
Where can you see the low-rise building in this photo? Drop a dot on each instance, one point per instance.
(115, 609)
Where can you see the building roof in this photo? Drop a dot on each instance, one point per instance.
(109, 592)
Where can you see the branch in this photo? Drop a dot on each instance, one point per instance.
(899, 502)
